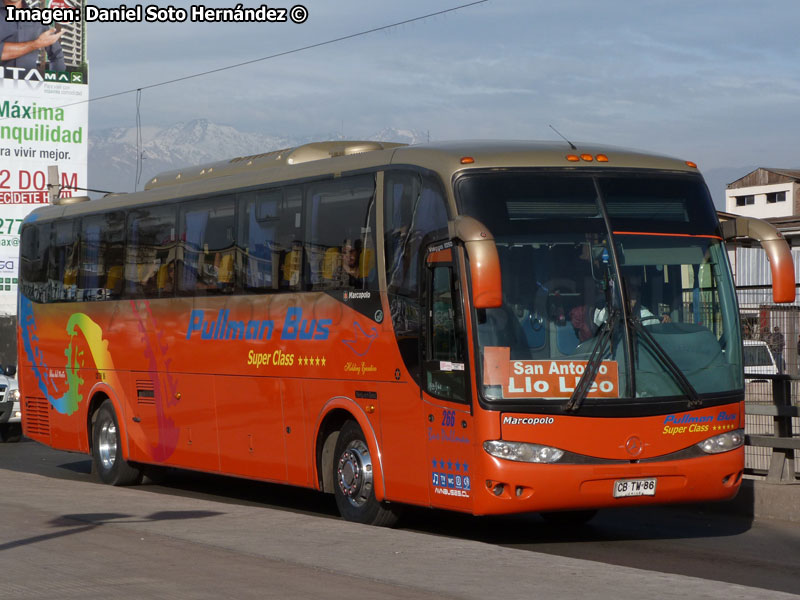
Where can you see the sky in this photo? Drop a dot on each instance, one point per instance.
(713, 81)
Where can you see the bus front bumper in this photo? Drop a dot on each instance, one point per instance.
(512, 487)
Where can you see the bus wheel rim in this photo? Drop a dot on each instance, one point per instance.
(107, 444)
(354, 473)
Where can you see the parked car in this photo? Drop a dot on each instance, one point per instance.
(758, 359)
(10, 413)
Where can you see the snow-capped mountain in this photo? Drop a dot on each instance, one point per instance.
(112, 152)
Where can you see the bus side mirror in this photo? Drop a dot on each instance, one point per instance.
(484, 262)
(10, 371)
(778, 252)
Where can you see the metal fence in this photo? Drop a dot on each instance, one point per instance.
(772, 401)
(772, 427)
(777, 325)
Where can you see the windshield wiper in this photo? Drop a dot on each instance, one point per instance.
(593, 364)
(694, 398)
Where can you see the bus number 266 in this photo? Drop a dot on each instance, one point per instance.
(449, 418)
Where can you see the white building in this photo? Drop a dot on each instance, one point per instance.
(765, 194)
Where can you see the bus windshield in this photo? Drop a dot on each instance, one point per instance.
(614, 270)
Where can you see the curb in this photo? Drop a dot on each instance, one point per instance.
(762, 500)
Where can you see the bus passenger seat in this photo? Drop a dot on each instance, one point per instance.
(366, 262)
(566, 338)
(292, 265)
(225, 271)
(113, 277)
(70, 276)
(164, 282)
(331, 263)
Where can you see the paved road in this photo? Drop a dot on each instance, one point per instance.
(64, 536)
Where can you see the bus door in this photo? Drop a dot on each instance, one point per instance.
(449, 429)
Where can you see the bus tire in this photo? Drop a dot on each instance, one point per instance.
(107, 460)
(353, 481)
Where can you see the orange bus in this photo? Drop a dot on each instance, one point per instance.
(490, 328)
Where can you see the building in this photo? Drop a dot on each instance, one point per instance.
(765, 194)
(72, 42)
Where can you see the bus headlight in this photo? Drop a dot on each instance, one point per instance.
(15, 395)
(723, 442)
(522, 452)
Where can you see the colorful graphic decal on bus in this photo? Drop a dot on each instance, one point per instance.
(451, 478)
(362, 341)
(164, 384)
(52, 379)
(64, 401)
(545, 378)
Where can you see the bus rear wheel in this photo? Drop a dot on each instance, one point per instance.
(109, 465)
(353, 481)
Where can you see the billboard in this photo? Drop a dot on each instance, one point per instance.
(44, 118)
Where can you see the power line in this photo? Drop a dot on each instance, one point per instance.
(279, 54)
(138, 138)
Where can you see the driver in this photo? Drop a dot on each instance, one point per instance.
(637, 309)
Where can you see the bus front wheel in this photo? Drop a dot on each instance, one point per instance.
(354, 483)
(109, 465)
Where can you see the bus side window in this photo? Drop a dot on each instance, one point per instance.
(445, 375)
(289, 240)
(206, 249)
(91, 259)
(151, 246)
(63, 265)
(257, 259)
(102, 256)
(34, 253)
(340, 244)
(414, 210)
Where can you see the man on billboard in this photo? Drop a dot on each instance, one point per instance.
(20, 41)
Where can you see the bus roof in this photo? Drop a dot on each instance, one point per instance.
(267, 161)
(450, 157)
(336, 157)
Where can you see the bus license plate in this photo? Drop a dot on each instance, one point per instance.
(634, 487)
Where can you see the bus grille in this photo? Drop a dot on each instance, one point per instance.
(37, 416)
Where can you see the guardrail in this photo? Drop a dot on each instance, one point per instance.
(772, 427)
